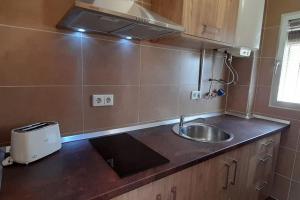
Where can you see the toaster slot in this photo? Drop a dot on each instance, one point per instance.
(33, 127)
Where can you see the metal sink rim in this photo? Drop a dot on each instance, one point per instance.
(176, 131)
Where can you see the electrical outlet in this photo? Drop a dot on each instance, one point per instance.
(103, 100)
(109, 100)
(98, 100)
(195, 95)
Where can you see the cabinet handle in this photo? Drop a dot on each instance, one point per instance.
(262, 186)
(235, 162)
(227, 176)
(268, 143)
(158, 197)
(173, 193)
(266, 158)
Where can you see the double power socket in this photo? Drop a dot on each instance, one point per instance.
(102, 100)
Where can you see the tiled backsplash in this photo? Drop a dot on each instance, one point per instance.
(50, 74)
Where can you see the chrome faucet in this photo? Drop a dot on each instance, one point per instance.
(181, 122)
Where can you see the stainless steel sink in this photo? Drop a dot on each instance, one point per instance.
(202, 133)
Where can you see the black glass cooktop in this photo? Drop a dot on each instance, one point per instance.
(126, 155)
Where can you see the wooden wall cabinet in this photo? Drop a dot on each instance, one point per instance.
(214, 20)
(245, 173)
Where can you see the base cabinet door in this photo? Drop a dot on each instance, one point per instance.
(202, 182)
(239, 160)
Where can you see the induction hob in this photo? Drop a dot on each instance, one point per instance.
(126, 155)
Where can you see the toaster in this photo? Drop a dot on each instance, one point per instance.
(33, 142)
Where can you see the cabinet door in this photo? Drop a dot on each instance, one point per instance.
(145, 193)
(221, 178)
(179, 185)
(217, 185)
(211, 19)
(200, 181)
(239, 165)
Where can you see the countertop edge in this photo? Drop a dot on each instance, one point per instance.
(2, 155)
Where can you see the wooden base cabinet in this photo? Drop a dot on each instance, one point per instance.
(245, 173)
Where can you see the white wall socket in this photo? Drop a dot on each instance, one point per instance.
(195, 95)
(102, 100)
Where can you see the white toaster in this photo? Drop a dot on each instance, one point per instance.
(33, 142)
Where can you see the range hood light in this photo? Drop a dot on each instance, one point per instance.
(128, 38)
(81, 30)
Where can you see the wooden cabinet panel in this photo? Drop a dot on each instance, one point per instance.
(238, 172)
(211, 19)
(142, 193)
(174, 187)
(208, 19)
(170, 9)
(218, 182)
(179, 186)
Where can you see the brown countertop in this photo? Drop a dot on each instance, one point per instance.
(78, 172)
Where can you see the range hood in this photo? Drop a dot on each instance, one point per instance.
(124, 18)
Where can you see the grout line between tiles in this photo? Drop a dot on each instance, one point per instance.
(293, 168)
(37, 86)
(274, 197)
(288, 148)
(283, 176)
(271, 27)
(74, 34)
(140, 82)
(82, 85)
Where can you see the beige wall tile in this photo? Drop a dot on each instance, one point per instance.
(124, 111)
(270, 42)
(243, 66)
(190, 107)
(158, 102)
(295, 191)
(277, 7)
(39, 58)
(213, 66)
(265, 71)
(280, 188)
(25, 105)
(160, 65)
(290, 137)
(285, 162)
(110, 63)
(296, 172)
(237, 98)
(41, 14)
(189, 69)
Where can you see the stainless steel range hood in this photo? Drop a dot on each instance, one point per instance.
(124, 18)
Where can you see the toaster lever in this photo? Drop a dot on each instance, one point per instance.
(7, 161)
